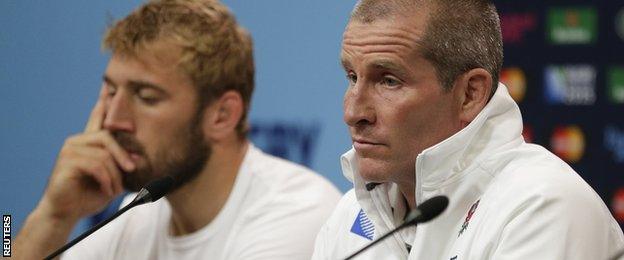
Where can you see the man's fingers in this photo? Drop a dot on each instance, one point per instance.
(116, 177)
(120, 155)
(97, 114)
(105, 139)
(99, 155)
(99, 172)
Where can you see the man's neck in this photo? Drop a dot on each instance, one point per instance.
(407, 190)
(198, 202)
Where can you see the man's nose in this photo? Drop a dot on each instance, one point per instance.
(119, 113)
(358, 106)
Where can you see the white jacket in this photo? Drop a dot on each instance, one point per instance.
(526, 202)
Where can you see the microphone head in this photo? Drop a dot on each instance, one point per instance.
(159, 187)
(433, 207)
(428, 210)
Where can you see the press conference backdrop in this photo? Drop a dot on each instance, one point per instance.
(564, 65)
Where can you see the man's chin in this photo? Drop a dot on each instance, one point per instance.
(372, 170)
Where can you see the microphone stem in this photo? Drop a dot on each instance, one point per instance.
(91, 230)
(379, 239)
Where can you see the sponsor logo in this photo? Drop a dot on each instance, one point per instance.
(289, 140)
(568, 142)
(615, 81)
(570, 84)
(6, 235)
(572, 25)
(471, 212)
(515, 81)
(362, 226)
(617, 205)
(614, 142)
(619, 23)
(527, 133)
(515, 26)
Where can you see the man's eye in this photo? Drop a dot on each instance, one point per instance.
(352, 78)
(148, 96)
(150, 100)
(390, 81)
(111, 91)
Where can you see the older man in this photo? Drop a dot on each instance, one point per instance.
(428, 117)
(174, 101)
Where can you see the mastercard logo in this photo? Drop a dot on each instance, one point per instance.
(568, 142)
(617, 205)
(527, 133)
(515, 80)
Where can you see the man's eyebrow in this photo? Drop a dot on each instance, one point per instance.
(344, 62)
(378, 64)
(384, 64)
(108, 81)
(135, 84)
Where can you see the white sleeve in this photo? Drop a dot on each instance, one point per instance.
(572, 225)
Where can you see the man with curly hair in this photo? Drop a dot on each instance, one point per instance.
(174, 102)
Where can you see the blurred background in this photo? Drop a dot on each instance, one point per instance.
(564, 65)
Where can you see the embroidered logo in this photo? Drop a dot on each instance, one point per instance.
(362, 226)
(472, 210)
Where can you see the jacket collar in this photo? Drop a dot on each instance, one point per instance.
(498, 124)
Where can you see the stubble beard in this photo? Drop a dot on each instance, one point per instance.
(183, 162)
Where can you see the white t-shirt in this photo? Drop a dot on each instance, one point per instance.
(274, 211)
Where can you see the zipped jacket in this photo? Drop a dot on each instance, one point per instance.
(508, 200)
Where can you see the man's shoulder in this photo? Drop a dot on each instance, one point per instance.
(272, 173)
(347, 229)
(535, 196)
(345, 212)
(532, 170)
(538, 178)
(542, 173)
(265, 163)
(282, 199)
(281, 188)
(348, 203)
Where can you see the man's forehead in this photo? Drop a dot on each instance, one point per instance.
(141, 62)
(406, 28)
(160, 51)
(145, 67)
(412, 13)
(380, 37)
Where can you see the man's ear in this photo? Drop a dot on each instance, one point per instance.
(474, 89)
(221, 117)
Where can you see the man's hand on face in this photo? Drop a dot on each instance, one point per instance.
(87, 174)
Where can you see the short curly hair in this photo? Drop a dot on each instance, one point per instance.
(216, 53)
